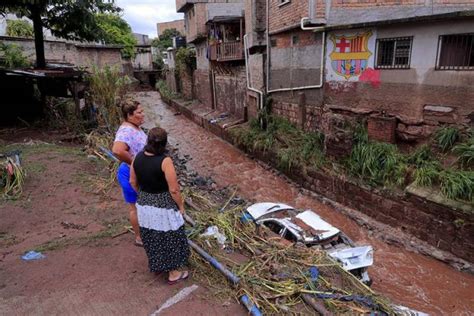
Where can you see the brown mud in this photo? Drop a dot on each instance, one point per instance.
(85, 272)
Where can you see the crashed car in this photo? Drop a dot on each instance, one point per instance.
(308, 228)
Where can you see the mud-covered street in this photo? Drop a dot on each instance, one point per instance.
(407, 278)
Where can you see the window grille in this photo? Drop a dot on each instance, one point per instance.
(393, 53)
(456, 52)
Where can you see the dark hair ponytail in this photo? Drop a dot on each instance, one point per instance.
(157, 140)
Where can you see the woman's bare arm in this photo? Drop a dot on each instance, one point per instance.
(120, 150)
(172, 179)
(133, 178)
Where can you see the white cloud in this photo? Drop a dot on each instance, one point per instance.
(142, 15)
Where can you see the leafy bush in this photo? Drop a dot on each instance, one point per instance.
(465, 152)
(19, 28)
(446, 137)
(185, 59)
(162, 87)
(107, 90)
(13, 56)
(116, 30)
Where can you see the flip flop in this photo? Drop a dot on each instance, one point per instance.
(184, 275)
(138, 243)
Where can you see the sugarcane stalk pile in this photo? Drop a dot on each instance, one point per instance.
(12, 175)
(275, 275)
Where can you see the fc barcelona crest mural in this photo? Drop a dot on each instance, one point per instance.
(350, 55)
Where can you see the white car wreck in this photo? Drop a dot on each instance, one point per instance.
(310, 229)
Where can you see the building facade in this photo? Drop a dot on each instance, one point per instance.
(412, 61)
(176, 24)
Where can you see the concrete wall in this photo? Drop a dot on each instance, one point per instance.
(195, 22)
(202, 61)
(143, 58)
(176, 24)
(231, 90)
(255, 22)
(357, 11)
(295, 59)
(63, 52)
(405, 92)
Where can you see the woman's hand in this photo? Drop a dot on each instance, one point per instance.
(182, 211)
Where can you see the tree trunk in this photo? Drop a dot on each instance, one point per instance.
(39, 41)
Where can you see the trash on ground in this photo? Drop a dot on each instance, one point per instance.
(33, 255)
(213, 231)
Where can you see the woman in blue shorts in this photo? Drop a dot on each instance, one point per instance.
(129, 141)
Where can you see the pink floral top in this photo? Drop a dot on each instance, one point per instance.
(134, 138)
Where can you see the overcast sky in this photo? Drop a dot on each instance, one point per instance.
(142, 15)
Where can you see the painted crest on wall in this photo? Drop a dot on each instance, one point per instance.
(350, 54)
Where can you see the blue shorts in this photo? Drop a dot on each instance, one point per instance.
(123, 177)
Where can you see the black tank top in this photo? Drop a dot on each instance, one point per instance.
(150, 177)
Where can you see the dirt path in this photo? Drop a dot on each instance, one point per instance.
(85, 272)
(407, 278)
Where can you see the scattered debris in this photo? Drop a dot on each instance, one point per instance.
(181, 295)
(213, 231)
(33, 255)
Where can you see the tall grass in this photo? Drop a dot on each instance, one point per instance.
(457, 184)
(465, 152)
(293, 147)
(107, 91)
(446, 137)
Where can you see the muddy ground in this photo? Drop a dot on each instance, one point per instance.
(86, 271)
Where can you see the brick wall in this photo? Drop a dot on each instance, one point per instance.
(287, 15)
(195, 21)
(186, 82)
(202, 87)
(177, 24)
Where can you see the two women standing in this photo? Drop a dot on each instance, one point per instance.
(156, 211)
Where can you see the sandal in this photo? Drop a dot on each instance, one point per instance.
(138, 243)
(184, 275)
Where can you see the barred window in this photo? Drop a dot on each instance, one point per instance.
(393, 53)
(456, 52)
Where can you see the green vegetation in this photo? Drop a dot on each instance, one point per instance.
(12, 56)
(378, 163)
(465, 152)
(185, 59)
(293, 147)
(162, 87)
(446, 137)
(116, 30)
(74, 20)
(19, 28)
(165, 40)
(107, 89)
(457, 184)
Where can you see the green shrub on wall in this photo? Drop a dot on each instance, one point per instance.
(11, 56)
(185, 59)
(19, 28)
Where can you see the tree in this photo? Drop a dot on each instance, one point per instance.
(165, 40)
(117, 31)
(19, 28)
(72, 19)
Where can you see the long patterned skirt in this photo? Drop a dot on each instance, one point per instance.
(162, 231)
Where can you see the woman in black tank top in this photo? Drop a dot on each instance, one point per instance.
(160, 208)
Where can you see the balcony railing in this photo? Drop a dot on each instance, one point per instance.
(227, 51)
